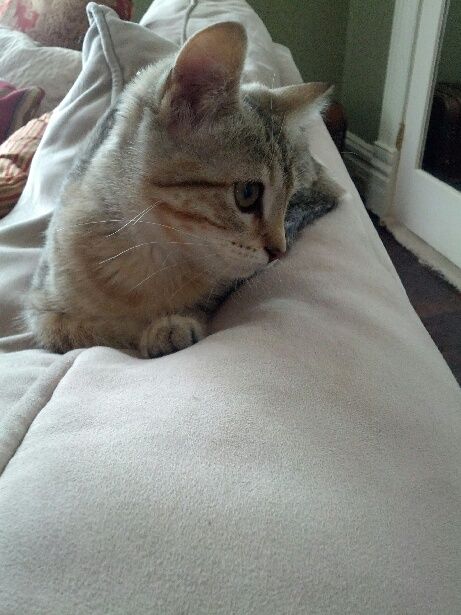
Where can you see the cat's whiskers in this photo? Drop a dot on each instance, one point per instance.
(64, 228)
(234, 284)
(227, 272)
(178, 230)
(214, 287)
(149, 243)
(156, 272)
(136, 219)
(183, 286)
(272, 119)
(164, 268)
(174, 228)
(219, 279)
(191, 280)
(139, 220)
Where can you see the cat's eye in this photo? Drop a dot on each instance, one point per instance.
(248, 196)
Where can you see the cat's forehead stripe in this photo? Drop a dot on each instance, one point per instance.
(275, 138)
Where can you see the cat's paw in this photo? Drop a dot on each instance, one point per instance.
(60, 332)
(169, 334)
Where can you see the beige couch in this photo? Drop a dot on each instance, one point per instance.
(304, 458)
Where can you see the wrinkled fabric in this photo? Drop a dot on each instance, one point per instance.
(303, 458)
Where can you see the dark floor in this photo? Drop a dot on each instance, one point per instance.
(437, 303)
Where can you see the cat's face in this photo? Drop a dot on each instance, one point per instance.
(225, 189)
(216, 167)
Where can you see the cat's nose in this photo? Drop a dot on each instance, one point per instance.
(275, 244)
(274, 253)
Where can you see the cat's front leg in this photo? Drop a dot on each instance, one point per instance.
(171, 333)
(61, 332)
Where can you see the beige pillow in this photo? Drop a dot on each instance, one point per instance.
(114, 51)
(25, 63)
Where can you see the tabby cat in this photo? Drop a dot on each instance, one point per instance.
(183, 192)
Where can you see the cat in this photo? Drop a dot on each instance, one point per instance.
(182, 193)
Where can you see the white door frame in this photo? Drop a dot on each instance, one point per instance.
(430, 208)
(381, 158)
(399, 65)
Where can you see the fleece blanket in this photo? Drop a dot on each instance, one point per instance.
(303, 458)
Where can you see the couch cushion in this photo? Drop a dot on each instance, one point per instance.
(303, 458)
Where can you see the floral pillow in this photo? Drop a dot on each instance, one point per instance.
(16, 155)
(56, 23)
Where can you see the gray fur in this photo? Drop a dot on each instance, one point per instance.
(306, 206)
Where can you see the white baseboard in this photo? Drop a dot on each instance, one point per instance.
(424, 252)
(372, 168)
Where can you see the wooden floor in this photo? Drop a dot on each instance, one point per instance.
(437, 303)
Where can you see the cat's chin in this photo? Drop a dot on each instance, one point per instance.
(240, 268)
(247, 271)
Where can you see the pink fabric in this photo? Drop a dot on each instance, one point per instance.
(20, 13)
(125, 9)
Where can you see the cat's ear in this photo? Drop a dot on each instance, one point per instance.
(205, 78)
(300, 98)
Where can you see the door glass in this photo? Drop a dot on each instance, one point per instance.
(442, 151)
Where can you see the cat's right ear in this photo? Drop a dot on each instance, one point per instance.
(205, 78)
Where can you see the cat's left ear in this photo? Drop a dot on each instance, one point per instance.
(304, 97)
(205, 79)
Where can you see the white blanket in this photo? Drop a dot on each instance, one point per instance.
(304, 458)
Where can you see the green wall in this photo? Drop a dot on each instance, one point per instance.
(450, 57)
(140, 7)
(315, 32)
(367, 45)
(344, 42)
